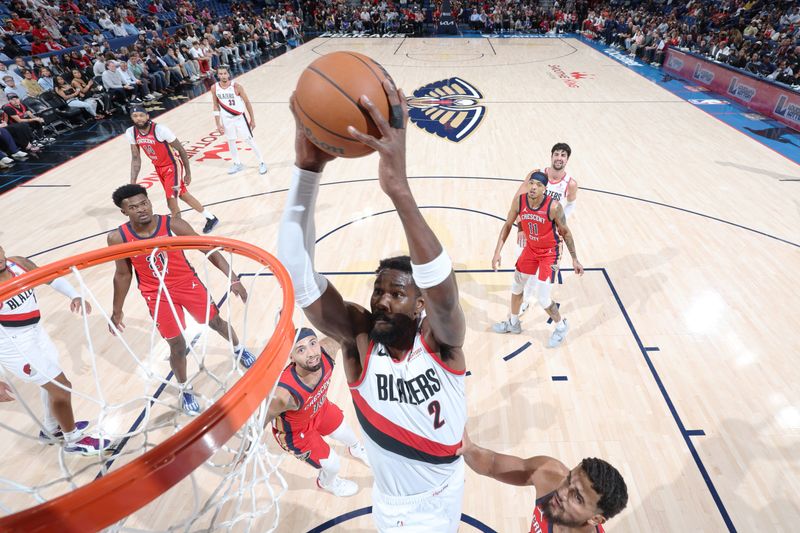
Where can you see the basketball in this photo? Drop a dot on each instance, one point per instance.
(327, 101)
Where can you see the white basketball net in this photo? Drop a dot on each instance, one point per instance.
(125, 395)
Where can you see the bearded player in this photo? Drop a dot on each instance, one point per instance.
(160, 145)
(302, 414)
(576, 501)
(180, 283)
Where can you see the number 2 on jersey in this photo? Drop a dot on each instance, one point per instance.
(435, 410)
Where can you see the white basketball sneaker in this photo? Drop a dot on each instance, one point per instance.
(339, 487)
(236, 167)
(262, 168)
(558, 335)
(359, 452)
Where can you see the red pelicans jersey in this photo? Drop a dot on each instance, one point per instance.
(540, 231)
(173, 264)
(231, 103)
(310, 400)
(21, 309)
(540, 524)
(412, 414)
(154, 143)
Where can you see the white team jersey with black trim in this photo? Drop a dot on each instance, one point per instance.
(558, 190)
(230, 103)
(412, 414)
(22, 309)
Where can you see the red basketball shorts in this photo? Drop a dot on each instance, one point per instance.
(172, 179)
(542, 262)
(191, 297)
(306, 443)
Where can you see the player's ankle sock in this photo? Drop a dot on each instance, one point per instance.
(561, 324)
(513, 319)
(234, 152)
(208, 214)
(344, 435)
(72, 436)
(256, 151)
(238, 348)
(330, 468)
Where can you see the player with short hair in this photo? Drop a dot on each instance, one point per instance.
(302, 414)
(543, 221)
(404, 357)
(27, 352)
(230, 102)
(578, 500)
(181, 285)
(160, 144)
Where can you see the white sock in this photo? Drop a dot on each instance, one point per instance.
(234, 152)
(330, 468)
(252, 143)
(49, 422)
(238, 348)
(73, 436)
(561, 324)
(207, 214)
(513, 319)
(344, 435)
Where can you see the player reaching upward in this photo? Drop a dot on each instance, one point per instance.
(302, 414)
(578, 500)
(27, 352)
(403, 358)
(160, 144)
(543, 221)
(230, 103)
(187, 292)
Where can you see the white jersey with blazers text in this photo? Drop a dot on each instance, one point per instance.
(22, 309)
(231, 104)
(412, 414)
(558, 189)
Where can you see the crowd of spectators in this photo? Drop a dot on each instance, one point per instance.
(99, 58)
(760, 37)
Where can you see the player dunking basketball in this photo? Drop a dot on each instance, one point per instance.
(230, 97)
(302, 414)
(562, 187)
(543, 221)
(27, 352)
(403, 357)
(578, 500)
(181, 284)
(160, 144)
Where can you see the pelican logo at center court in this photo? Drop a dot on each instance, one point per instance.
(449, 109)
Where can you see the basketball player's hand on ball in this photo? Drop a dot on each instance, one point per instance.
(392, 144)
(6, 394)
(307, 156)
(577, 267)
(496, 262)
(116, 319)
(75, 306)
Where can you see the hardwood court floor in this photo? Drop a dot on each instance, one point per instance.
(680, 365)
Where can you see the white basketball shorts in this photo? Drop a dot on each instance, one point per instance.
(29, 354)
(435, 511)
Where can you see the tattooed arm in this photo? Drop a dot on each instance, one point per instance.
(557, 215)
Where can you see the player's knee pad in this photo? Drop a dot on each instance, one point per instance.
(543, 289)
(518, 284)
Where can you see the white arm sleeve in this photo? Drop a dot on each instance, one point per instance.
(129, 135)
(297, 237)
(569, 207)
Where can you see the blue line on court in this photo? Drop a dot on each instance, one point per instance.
(652, 349)
(696, 456)
(695, 433)
(559, 378)
(517, 351)
(325, 526)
